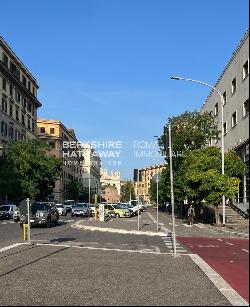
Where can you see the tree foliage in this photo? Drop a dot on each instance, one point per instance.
(127, 192)
(79, 192)
(27, 170)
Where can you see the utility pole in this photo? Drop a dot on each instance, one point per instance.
(172, 186)
(138, 200)
(157, 201)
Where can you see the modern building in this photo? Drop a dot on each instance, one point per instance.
(233, 84)
(142, 180)
(91, 168)
(113, 180)
(54, 133)
(18, 98)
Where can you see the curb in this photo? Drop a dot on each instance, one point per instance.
(227, 231)
(78, 225)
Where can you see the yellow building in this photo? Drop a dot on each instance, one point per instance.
(54, 133)
(142, 187)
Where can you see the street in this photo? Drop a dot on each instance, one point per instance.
(73, 266)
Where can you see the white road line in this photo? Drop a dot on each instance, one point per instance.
(232, 296)
(104, 249)
(219, 239)
(245, 250)
(229, 243)
(11, 246)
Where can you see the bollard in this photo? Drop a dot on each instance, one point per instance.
(24, 232)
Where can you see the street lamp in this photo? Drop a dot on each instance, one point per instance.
(222, 134)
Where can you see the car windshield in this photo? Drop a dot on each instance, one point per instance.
(81, 205)
(39, 207)
(5, 208)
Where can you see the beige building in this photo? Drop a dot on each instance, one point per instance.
(110, 194)
(143, 182)
(91, 168)
(18, 98)
(55, 133)
(233, 84)
(113, 179)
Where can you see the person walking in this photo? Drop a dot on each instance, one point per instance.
(191, 215)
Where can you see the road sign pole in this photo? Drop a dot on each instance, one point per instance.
(157, 201)
(172, 186)
(28, 229)
(138, 201)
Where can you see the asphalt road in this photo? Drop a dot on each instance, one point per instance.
(66, 266)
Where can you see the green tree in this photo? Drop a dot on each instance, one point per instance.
(77, 191)
(191, 130)
(27, 170)
(128, 192)
(202, 179)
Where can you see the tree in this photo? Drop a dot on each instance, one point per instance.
(128, 192)
(191, 130)
(202, 178)
(77, 191)
(27, 170)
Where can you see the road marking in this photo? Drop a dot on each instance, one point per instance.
(229, 243)
(245, 250)
(232, 296)
(105, 249)
(219, 239)
(11, 246)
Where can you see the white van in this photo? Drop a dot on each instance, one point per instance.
(7, 211)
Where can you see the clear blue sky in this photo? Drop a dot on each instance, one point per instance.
(104, 66)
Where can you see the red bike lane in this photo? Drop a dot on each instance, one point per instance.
(229, 257)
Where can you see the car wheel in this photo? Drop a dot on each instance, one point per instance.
(117, 215)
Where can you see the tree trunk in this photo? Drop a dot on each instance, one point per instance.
(217, 215)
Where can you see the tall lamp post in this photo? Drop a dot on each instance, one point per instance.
(222, 134)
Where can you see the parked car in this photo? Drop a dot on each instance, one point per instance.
(16, 215)
(131, 208)
(109, 211)
(61, 209)
(81, 209)
(120, 211)
(42, 213)
(93, 207)
(7, 211)
(68, 204)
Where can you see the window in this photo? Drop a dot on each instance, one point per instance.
(233, 86)
(17, 114)
(18, 96)
(29, 85)
(52, 145)
(52, 130)
(4, 105)
(4, 84)
(224, 98)
(11, 109)
(23, 120)
(234, 119)
(42, 129)
(4, 128)
(11, 90)
(28, 121)
(29, 107)
(5, 60)
(33, 126)
(216, 109)
(225, 128)
(24, 102)
(15, 71)
(245, 70)
(246, 108)
(11, 132)
(24, 81)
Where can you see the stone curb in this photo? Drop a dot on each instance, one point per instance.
(78, 225)
(227, 231)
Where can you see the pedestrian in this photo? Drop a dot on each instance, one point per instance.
(191, 215)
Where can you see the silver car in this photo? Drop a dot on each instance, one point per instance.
(81, 209)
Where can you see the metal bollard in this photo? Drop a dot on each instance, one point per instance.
(24, 232)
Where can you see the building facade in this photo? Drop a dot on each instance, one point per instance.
(54, 133)
(233, 84)
(113, 180)
(142, 180)
(91, 169)
(18, 98)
